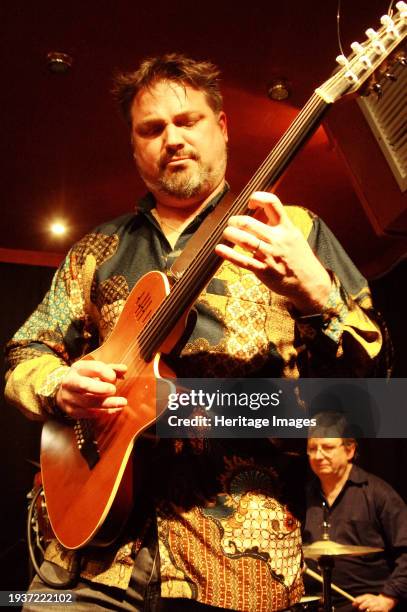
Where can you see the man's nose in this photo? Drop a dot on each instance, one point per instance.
(173, 137)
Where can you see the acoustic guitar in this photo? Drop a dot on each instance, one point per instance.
(85, 464)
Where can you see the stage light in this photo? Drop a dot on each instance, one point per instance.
(58, 228)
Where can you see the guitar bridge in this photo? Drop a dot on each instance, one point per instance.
(86, 443)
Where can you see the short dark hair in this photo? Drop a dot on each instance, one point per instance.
(174, 67)
(334, 424)
(331, 424)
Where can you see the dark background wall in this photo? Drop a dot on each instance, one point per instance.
(23, 288)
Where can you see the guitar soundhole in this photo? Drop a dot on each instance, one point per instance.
(86, 443)
(143, 304)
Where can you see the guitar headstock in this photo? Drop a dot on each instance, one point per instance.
(370, 61)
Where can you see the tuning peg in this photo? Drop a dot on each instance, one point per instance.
(371, 34)
(402, 60)
(390, 76)
(390, 26)
(351, 76)
(357, 47)
(375, 41)
(387, 21)
(342, 60)
(402, 8)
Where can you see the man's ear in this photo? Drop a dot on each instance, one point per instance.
(222, 120)
(350, 451)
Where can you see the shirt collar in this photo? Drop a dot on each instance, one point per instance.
(357, 475)
(147, 203)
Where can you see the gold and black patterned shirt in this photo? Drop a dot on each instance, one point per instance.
(241, 531)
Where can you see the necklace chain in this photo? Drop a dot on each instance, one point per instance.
(165, 223)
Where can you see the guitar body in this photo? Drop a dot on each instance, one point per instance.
(85, 465)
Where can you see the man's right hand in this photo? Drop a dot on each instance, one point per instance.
(374, 603)
(88, 390)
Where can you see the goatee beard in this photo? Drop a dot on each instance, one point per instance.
(182, 184)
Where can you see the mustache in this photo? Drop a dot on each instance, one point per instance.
(168, 157)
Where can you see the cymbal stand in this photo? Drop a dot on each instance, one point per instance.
(326, 564)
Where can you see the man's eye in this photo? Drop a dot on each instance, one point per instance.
(155, 131)
(188, 122)
(150, 131)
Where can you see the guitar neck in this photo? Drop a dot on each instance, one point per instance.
(195, 278)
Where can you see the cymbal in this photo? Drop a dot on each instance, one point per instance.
(328, 548)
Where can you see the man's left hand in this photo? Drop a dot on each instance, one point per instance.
(278, 254)
(374, 603)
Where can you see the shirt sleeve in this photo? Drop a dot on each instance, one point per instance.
(55, 335)
(348, 338)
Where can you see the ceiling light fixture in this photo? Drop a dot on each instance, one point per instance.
(59, 62)
(278, 89)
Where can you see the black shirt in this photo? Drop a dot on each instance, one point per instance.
(367, 512)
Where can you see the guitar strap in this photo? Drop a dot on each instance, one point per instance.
(196, 242)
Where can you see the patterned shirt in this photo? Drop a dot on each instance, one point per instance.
(234, 541)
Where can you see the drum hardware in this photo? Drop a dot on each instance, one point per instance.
(329, 548)
(313, 604)
(325, 551)
(334, 587)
